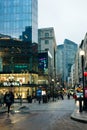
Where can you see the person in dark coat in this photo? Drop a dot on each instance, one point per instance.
(39, 95)
(9, 99)
(68, 95)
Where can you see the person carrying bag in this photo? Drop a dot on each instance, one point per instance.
(9, 99)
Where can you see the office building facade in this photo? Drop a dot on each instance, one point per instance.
(19, 19)
(59, 63)
(70, 49)
(19, 45)
(47, 42)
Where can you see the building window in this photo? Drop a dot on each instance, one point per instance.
(86, 41)
(47, 49)
(46, 41)
(46, 34)
(51, 33)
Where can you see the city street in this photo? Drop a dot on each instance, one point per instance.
(50, 116)
(43, 65)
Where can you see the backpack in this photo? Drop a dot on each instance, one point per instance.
(8, 98)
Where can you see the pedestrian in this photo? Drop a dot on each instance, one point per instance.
(20, 98)
(29, 98)
(61, 95)
(75, 97)
(9, 99)
(39, 95)
(68, 95)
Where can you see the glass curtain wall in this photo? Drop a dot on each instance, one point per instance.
(18, 19)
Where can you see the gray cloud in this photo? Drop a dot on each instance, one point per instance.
(68, 17)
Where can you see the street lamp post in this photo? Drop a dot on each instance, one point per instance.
(53, 88)
(82, 53)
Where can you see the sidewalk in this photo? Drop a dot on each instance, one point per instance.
(79, 116)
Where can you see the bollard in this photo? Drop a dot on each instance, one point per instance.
(80, 104)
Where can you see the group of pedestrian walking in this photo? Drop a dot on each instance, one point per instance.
(45, 96)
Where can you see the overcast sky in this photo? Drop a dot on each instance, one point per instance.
(68, 17)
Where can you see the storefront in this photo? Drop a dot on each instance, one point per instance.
(21, 84)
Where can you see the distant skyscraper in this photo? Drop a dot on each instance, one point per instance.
(59, 63)
(19, 19)
(70, 49)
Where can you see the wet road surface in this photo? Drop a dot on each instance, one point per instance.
(50, 116)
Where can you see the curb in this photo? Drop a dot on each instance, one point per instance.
(77, 118)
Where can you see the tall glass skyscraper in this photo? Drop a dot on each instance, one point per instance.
(19, 19)
(70, 49)
(60, 61)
